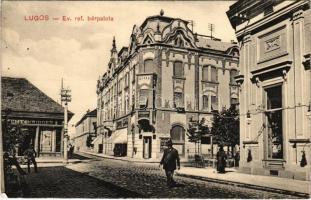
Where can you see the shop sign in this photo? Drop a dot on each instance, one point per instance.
(143, 114)
(26, 121)
(122, 123)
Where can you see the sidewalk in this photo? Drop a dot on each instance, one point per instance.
(235, 178)
(230, 177)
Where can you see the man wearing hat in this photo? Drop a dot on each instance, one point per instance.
(169, 160)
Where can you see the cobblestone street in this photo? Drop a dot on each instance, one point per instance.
(103, 178)
(60, 182)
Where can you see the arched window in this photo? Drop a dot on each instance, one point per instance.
(148, 66)
(178, 138)
(178, 69)
(178, 134)
(205, 73)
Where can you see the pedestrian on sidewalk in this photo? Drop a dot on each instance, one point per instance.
(10, 159)
(169, 160)
(221, 159)
(30, 155)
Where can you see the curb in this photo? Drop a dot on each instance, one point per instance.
(116, 158)
(246, 185)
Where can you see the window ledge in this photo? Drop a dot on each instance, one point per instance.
(179, 77)
(213, 82)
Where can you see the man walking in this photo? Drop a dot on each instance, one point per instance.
(30, 155)
(169, 159)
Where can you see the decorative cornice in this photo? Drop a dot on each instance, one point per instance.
(259, 73)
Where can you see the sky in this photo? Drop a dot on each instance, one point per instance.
(46, 50)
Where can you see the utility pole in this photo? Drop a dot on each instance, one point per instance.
(65, 98)
(211, 27)
(2, 189)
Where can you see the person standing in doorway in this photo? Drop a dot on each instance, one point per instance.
(169, 160)
(30, 155)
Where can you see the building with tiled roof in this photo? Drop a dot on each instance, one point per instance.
(41, 117)
(166, 76)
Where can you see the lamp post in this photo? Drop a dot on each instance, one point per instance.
(65, 98)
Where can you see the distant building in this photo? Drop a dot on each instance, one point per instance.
(167, 76)
(40, 117)
(85, 131)
(275, 92)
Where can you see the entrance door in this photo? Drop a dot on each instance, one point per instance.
(147, 147)
(274, 133)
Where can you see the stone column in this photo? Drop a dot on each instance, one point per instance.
(37, 140)
(54, 141)
(298, 78)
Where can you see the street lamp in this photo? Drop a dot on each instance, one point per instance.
(65, 98)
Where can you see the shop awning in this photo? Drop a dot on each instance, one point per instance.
(97, 138)
(119, 137)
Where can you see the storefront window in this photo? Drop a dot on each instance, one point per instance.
(274, 122)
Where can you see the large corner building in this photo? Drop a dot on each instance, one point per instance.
(275, 79)
(166, 77)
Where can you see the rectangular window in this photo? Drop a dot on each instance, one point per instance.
(143, 98)
(205, 73)
(233, 73)
(214, 101)
(178, 99)
(214, 74)
(178, 69)
(205, 102)
(148, 66)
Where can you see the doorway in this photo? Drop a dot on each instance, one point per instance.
(147, 147)
(274, 121)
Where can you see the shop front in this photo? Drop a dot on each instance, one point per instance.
(30, 117)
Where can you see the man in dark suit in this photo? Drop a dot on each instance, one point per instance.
(169, 160)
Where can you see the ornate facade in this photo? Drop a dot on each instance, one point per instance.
(167, 76)
(275, 86)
